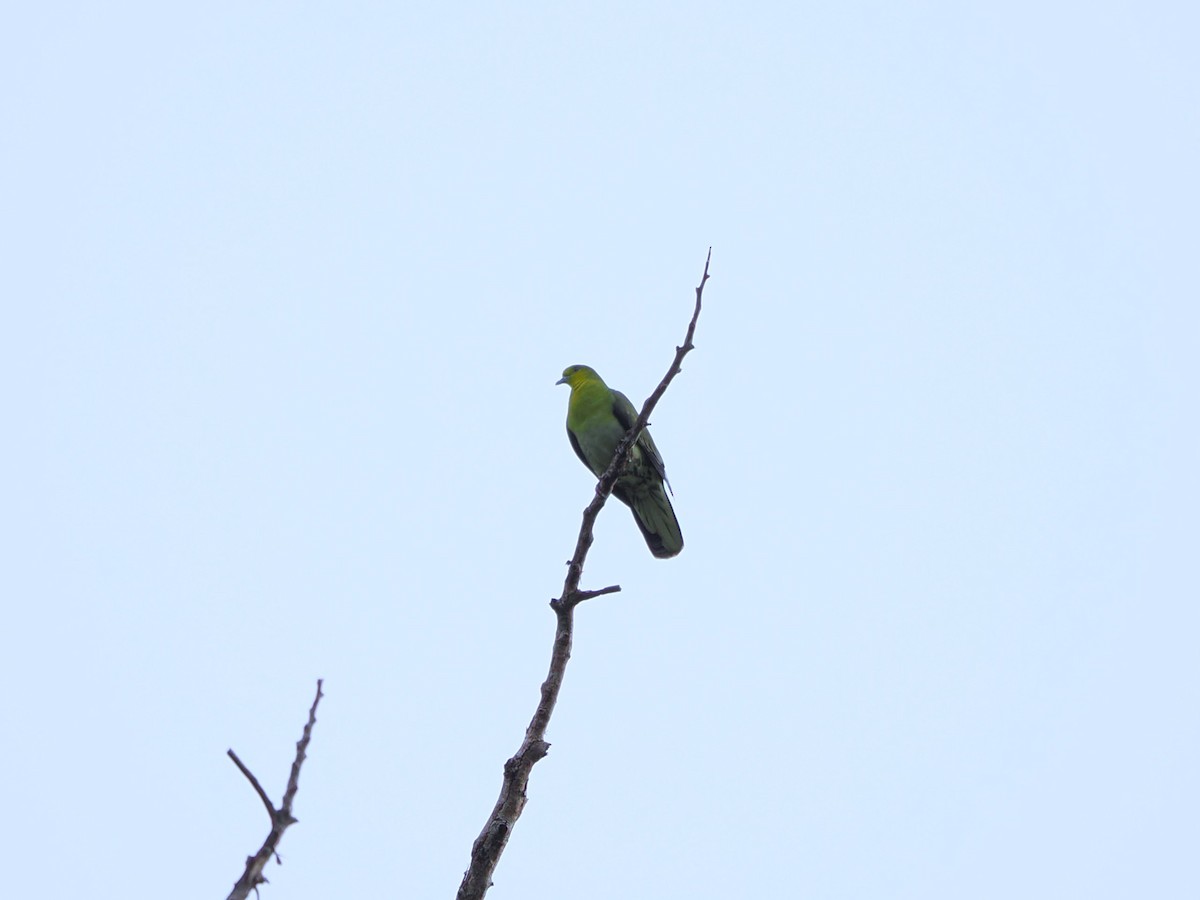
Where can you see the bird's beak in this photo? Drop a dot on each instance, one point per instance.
(561, 381)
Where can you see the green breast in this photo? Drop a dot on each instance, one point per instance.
(596, 430)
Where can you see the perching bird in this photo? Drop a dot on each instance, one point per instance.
(597, 418)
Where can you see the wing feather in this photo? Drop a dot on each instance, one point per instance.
(575, 446)
(626, 413)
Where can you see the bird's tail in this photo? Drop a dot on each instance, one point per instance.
(655, 516)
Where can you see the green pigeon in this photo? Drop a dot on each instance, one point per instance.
(597, 418)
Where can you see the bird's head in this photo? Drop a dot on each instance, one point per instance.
(577, 375)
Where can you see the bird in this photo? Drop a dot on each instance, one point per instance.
(597, 418)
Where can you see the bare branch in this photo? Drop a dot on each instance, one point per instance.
(486, 851)
(580, 596)
(262, 795)
(281, 818)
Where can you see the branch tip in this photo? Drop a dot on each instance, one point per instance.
(258, 788)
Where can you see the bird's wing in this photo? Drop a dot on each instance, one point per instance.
(627, 415)
(575, 446)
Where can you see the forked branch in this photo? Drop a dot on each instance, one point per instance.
(282, 817)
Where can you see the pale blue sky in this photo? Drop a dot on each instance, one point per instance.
(287, 289)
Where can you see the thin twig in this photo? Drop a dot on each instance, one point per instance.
(486, 851)
(281, 818)
(580, 596)
(262, 795)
